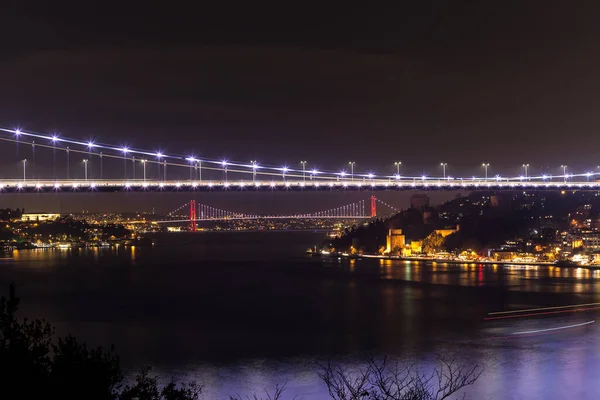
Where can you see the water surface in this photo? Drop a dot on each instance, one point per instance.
(244, 311)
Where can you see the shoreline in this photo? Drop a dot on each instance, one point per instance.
(450, 261)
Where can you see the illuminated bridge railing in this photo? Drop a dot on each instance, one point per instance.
(71, 186)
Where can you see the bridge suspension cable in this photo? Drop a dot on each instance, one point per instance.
(195, 165)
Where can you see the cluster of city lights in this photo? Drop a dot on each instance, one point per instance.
(285, 171)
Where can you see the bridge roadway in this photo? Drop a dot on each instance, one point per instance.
(82, 186)
(255, 217)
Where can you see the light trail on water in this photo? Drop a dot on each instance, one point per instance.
(544, 308)
(542, 313)
(553, 329)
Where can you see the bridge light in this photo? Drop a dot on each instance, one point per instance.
(145, 184)
(38, 186)
(159, 154)
(342, 174)
(125, 150)
(257, 184)
(314, 172)
(20, 186)
(544, 177)
(127, 185)
(54, 139)
(345, 184)
(316, 184)
(284, 169)
(194, 185)
(588, 174)
(423, 177)
(521, 177)
(17, 132)
(57, 185)
(397, 176)
(210, 184)
(224, 163)
(91, 144)
(226, 184)
(287, 184)
(272, 184)
(178, 185)
(161, 185)
(92, 185)
(370, 175)
(75, 186)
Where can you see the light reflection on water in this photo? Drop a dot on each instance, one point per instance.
(244, 312)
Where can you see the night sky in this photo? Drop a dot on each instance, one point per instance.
(461, 82)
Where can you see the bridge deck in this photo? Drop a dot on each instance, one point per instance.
(74, 186)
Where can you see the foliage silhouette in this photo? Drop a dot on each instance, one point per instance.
(66, 368)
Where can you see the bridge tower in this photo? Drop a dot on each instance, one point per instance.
(193, 215)
(373, 206)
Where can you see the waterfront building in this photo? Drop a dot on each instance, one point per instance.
(395, 240)
(36, 217)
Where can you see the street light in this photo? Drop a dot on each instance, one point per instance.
(485, 166)
(54, 140)
(351, 163)
(144, 169)
(68, 163)
(158, 156)
(24, 170)
(444, 165)
(90, 146)
(85, 163)
(192, 161)
(254, 168)
(564, 167)
(283, 172)
(526, 167)
(303, 170)
(125, 150)
(224, 165)
(398, 164)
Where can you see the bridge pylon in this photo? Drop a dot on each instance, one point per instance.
(373, 206)
(193, 215)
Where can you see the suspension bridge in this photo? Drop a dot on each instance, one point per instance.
(51, 163)
(201, 213)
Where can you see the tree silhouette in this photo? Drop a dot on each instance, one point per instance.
(33, 367)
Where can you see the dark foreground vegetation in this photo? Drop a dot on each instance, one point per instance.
(34, 364)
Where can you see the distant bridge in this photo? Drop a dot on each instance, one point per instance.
(202, 213)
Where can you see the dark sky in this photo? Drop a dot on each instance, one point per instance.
(422, 82)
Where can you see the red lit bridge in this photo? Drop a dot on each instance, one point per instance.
(202, 212)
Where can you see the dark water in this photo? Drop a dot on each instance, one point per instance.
(244, 311)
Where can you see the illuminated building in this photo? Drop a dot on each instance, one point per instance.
(590, 241)
(39, 217)
(446, 232)
(395, 240)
